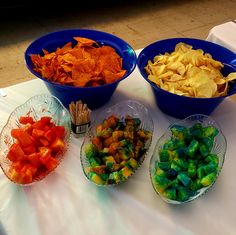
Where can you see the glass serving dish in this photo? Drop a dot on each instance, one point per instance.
(38, 106)
(191, 172)
(110, 163)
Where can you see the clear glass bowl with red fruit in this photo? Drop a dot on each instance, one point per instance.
(34, 139)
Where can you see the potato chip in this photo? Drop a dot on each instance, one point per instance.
(189, 72)
(231, 76)
(85, 64)
(202, 85)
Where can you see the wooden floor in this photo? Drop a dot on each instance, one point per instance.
(137, 22)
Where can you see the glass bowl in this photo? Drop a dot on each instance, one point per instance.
(181, 106)
(37, 107)
(120, 164)
(181, 169)
(96, 96)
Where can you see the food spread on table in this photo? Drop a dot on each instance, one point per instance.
(36, 149)
(189, 72)
(115, 151)
(85, 64)
(186, 163)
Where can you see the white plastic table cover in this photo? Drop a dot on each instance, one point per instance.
(224, 35)
(66, 203)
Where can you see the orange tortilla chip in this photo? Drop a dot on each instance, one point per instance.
(47, 71)
(85, 42)
(81, 79)
(110, 76)
(85, 64)
(64, 49)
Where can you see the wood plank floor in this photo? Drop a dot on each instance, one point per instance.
(139, 23)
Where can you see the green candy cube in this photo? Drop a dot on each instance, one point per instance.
(195, 185)
(209, 131)
(125, 172)
(179, 132)
(125, 154)
(180, 152)
(132, 163)
(175, 167)
(208, 142)
(196, 130)
(173, 144)
(192, 148)
(90, 151)
(200, 172)
(170, 193)
(164, 155)
(160, 172)
(212, 158)
(165, 166)
(204, 150)
(209, 179)
(183, 194)
(210, 167)
(94, 161)
(161, 182)
(96, 178)
(182, 163)
(184, 179)
(192, 170)
(114, 177)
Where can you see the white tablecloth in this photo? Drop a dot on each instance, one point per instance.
(224, 35)
(66, 203)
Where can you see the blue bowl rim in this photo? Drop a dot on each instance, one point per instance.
(26, 54)
(154, 86)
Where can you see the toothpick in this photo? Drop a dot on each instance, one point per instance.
(80, 113)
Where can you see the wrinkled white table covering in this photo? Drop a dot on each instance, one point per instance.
(224, 35)
(66, 203)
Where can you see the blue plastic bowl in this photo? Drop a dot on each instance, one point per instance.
(183, 106)
(94, 97)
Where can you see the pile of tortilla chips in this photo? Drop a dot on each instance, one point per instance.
(189, 72)
(83, 65)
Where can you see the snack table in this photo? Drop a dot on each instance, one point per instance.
(66, 203)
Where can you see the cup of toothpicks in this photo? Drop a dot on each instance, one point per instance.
(80, 117)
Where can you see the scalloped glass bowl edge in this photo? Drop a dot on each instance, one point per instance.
(219, 148)
(120, 109)
(37, 107)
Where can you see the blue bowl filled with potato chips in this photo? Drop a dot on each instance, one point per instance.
(188, 75)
